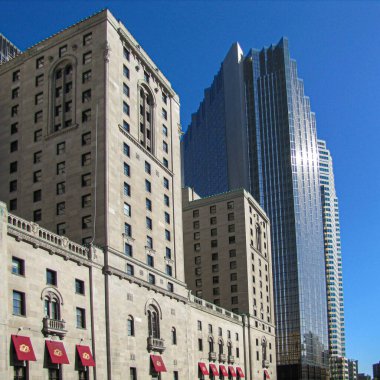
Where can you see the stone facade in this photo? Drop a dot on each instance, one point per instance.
(90, 151)
(228, 262)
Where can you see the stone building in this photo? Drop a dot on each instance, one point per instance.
(228, 262)
(92, 250)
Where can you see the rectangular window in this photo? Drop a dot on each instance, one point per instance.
(86, 159)
(166, 183)
(16, 76)
(61, 148)
(165, 162)
(62, 50)
(15, 92)
(79, 286)
(127, 169)
(38, 135)
(214, 243)
(86, 200)
(61, 188)
(150, 260)
(86, 179)
(37, 157)
(13, 204)
(61, 208)
(151, 279)
(125, 90)
(127, 209)
(167, 235)
(148, 204)
(200, 344)
(126, 53)
(37, 195)
(38, 116)
(40, 63)
(18, 303)
(86, 76)
(127, 229)
(68, 87)
(14, 110)
(126, 126)
(39, 80)
(148, 186)
(168, 253)
(51, 277)
(231, 216)
(86, 115)
(126, 108)
(61, 167)
(126, 71)
(164, 114)
(87, 39)
(213, 220)
(164, 130)
(86, 96)
(149, 223)
(149, 242)
(14, 128)
(165, 147)
(169, 270)
(166, 200)
(147, 167)
(87, 58)
(18, 266)
(81, 318)
(128, 250)
(126, 150)
(14, 146)
(130, 270)
(86, 222)
(61, 229)
(212, 209)
(13, 186)
(167, 218)
(127, 189)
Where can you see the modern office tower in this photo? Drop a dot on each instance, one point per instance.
(228, 263)
(7, 50)
(333, 258)
(89, 151)
(352, 369)
(376, 371)
(255, 130)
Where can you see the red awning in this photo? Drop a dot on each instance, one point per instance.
(85, 355)
(158, 363)
(223, 370)
(214, 369)
(240, 372)
(203, 368)
(23, 347)
(57, 352)
(266, 374)
(232, 371)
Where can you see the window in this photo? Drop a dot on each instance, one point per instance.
(130, 270)
(167, 235)
(230, 205)
(69, 86)
(40, 62)
(16, 76)
(214, 232)
(37, 157)
(13, 186)
(148, 223)
(126, 53)
(38, 135)
(166, 183)
(54, 374)
(14, 128)
(125, 126)
(233, 265)
(174, 336)
(164, 114)
(214, 256)
(164, 130)
(215, 291)
(128, 250)
(126, 150)
(79, 286)
(127, 169)
(61, 188)
(165, 162)
(37, 215)
(212, 209)
(231, 240)
(215, 279)
(86, 222)
(61, 148)
(127, 189)
(61, 229)
(86, 179)
(62, 50)
(61, 208)
(214, 243)
(231, 228)
(61, 167)
(15, 92)
(150, 260)
(234, 288)
(126, 71)
(232, 252)
(14, 110)
(38, 116)
(166, 200)
(86, 76)
(14, 146)
(198, 281)
(149, 242)
(39, 80)
(169, 270)
(13, 204)
(86, 200)
(87, 58)
(127, 209)
(215, 268)
(231, 216)
(130, 326)
(86, 96)
(51, 277)
(87, 39)
(258, 238)
(165, 147)
(147, 167)
(200, 344)
(170, 287)
(126, 108)
(125, 90)
(196, 225)
(19, 373)
(168, 253)
(13, 167)
(148, 186)
(18, 303)
(213, 220)
(148, 204)
(127, 229)
(18, 266)
(86, 115)
(167, 218)
(81, 318)
(151, 279)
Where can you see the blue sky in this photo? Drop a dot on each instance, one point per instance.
(337, 48)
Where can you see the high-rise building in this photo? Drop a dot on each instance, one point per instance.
(363, 376)
(333, 259)
(7, 50)
(376, 371)
(90, 151)
(255, 130)
(352, 369)
(228, 263)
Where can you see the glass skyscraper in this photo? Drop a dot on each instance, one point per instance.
(333, 258)
(269, 147)
(7, 50)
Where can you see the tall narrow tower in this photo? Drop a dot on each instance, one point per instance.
(258, 103)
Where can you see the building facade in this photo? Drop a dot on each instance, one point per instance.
(352, 369)
(7, 50)
(228, 262)
(270, 148)
(376, 371)
(333, 259)
(92, 249)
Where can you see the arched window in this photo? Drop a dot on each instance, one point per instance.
(174, 335)
(153, 322)
(264, 348)
(220, 344)
(146, 130)
(63, 96)
(131, 326)
(51, 307)
(258, 238)
(211, 344)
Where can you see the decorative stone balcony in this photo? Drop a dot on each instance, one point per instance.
(265, 363)
(156, 344)
(54, 327)
(222, 357)
(231, 359)
(212, 356)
